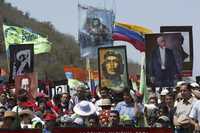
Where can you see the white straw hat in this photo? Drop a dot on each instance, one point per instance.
(84, 108)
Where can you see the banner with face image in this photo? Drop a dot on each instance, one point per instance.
(21, 60)
(28, 82)
(95, 29)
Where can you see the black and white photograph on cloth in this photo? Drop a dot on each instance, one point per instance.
(60, 87)
(184, 40)
(95, 29)
(21, 60)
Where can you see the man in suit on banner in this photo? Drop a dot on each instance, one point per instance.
(163, 69)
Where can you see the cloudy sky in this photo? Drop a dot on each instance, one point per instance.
(63, 14)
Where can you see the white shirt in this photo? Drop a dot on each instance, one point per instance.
(195, 112)
(162, 55)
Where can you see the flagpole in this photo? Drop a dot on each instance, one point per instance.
(88, 68)
(143, 87)
(3, 42)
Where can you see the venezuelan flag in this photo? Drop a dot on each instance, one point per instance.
(133, 34)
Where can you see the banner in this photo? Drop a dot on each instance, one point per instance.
(18, 35)
(95, 29)
(113, 130)
(113, 69)
(182, 46)
(60, 87)
(21, 59)
(28, 82)
(163, 64)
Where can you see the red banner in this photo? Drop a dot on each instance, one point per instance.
(112, 130)
(21, 131)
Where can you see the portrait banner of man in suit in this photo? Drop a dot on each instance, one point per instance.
(113, 68)
(184, 40)
(163, 68)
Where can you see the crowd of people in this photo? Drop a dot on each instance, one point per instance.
(176, 108)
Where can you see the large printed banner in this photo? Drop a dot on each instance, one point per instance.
(113, 72)
(184, 41)
(21, 59)
(95, 29)
(165, 59)
(18, 35)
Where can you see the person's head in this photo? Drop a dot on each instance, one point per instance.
(151, 113)
(114, 118)
(65, 97)
(92, 121)
(105, 104)
(185, 90)
(96, 22)
(163, 110)
(163, 94)
(3, 98)
(113, 64)
(104, 92)
(80, 91)
(153, 99)
(127, 97)
(26, 116)
(84, 108)
(22, 95)
(169, 99)
(161, 41)
(9, 118)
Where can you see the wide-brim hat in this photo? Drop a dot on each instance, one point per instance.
(27, 112)
(164, 92)
(195, 85)
(179, 83)
(105, 102)
(84, 108)
(10, 114)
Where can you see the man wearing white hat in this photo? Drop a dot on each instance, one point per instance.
(82, 110)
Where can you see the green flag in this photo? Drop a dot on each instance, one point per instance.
(18, 35)
(143, 87)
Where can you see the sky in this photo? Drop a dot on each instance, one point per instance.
(63, 14)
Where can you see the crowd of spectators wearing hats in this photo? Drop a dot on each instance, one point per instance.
(177, 108)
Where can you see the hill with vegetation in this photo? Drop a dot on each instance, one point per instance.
(65, 49)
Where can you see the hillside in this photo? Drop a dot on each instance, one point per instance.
(65, 49)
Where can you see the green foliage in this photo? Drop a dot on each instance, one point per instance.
(65, 49)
